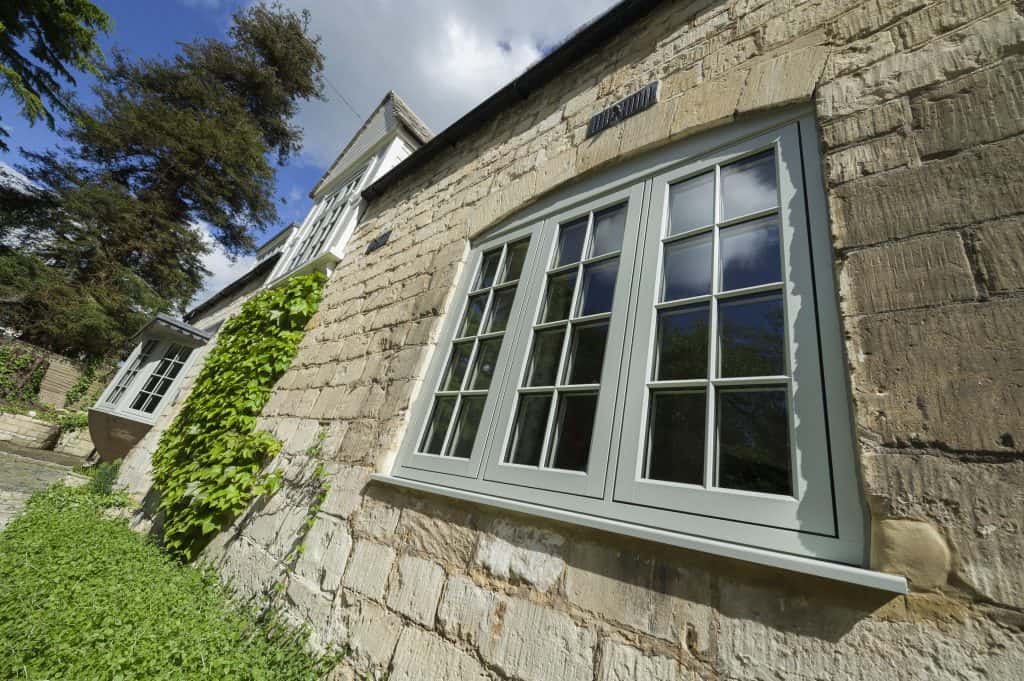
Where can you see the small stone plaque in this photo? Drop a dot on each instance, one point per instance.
(621, 110)
(377, 242)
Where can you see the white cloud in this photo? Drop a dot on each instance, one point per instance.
(223, 270)
(442, 56)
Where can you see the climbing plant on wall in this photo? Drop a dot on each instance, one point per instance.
(209, 463)
(21, 373)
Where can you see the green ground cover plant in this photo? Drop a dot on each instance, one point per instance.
(84, 597)
(209, 464)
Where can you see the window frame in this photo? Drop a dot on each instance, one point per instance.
(846, 543)
(145, 371)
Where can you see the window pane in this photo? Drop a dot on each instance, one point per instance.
(598, 287)
(682, 343)
(501, 307)
(488, 268)
(750, 254)
(675, 445)
(547, 350)
(457, 366)
(587, 354)
(515, 256)
(570, 242)
(433, 440)
(470, 412)
(749, 185)
(752, 337)
(474, 314)
(528, 432)
(753, 441)
(483, 368)
(691, 203)
(687, 268)
(559, 296)
(575, 427)
(608, 228)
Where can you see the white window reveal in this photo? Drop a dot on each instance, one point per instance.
(314, 240)
(140, 358)
(665, 360)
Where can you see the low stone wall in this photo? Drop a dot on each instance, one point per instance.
(27, 431)
(75, 442)
(61, 374)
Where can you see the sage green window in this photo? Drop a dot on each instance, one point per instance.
(669, 356)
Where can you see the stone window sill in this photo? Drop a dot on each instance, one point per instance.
(819, 568)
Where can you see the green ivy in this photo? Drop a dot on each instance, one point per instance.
(209, 464)
(21, 373)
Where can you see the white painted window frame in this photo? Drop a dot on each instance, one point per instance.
(829, 525)
(123, 407)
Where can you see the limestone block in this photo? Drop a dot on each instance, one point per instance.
(376, 519)
(536, 643)
(910, 548)
(437, 536)
(787, 79)
(372, 631)
(950, 375)
(621, 662)
(598, 150)
(864, 125)
(907, 274)
(346, 491)
(327, 547)
(868, 158)
(466, 611)
(423, 656)
(711, 103)
(661, 600)
(731, 55)
(871, 16)
(942, 17)
(768, 635)
(953, 54)
(248, 569)
(1001, 247)
(975, 186)
(517, 552)
(856, 56)
(416, 589)
(276, 526)
(368, 569)
(977, 505)
(308, 605)
(980, 107)
(647, 128)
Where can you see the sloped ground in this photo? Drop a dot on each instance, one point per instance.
(24, 471)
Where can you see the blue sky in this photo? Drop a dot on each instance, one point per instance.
(442, 57)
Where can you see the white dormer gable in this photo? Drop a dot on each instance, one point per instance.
(388, 136)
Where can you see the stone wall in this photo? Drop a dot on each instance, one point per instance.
(922, 125)
(61, 373)
(22, 429)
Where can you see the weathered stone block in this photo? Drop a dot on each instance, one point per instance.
(520, 553)
(868, 158)
(711, 103)
(376, 519)
(924, 271)
(621, 662)
(975, 186)
(787, 79)
(416, 589)
(437, 536)
(981, 107)
(369, 568)
(977, 506)
(536, 643)
(250, 570)
(372, 631)
(640, 593)
(863, 125)
(423, 656)
(1001, 248)
(950, 376)
(466, 611)
(327, 547)
(346, 491)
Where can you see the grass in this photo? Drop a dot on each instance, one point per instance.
(84, 597)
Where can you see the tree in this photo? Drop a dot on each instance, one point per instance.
(172, 144)
(60, 37)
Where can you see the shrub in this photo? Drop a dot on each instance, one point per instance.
(21, 373)
(209, 463)
(84, 597)
(102, 477)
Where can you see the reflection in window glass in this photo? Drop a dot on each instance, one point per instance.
(547, 349)
(598, 287)
(573, 431)
(586, 357)
(687, 268)
(749, 185)
(608, 228)
(528, 433)
(692, 203)
(753, 441)
(682, 343)
(570, 242)
(559, 296)
(501, 308)
(752, 336)
(474, 315)
(433, 441)
(675, 447)
(515, 256)
(750, 254)
(483, 368)
(457, 366)
(488, 268)
(466, 425)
